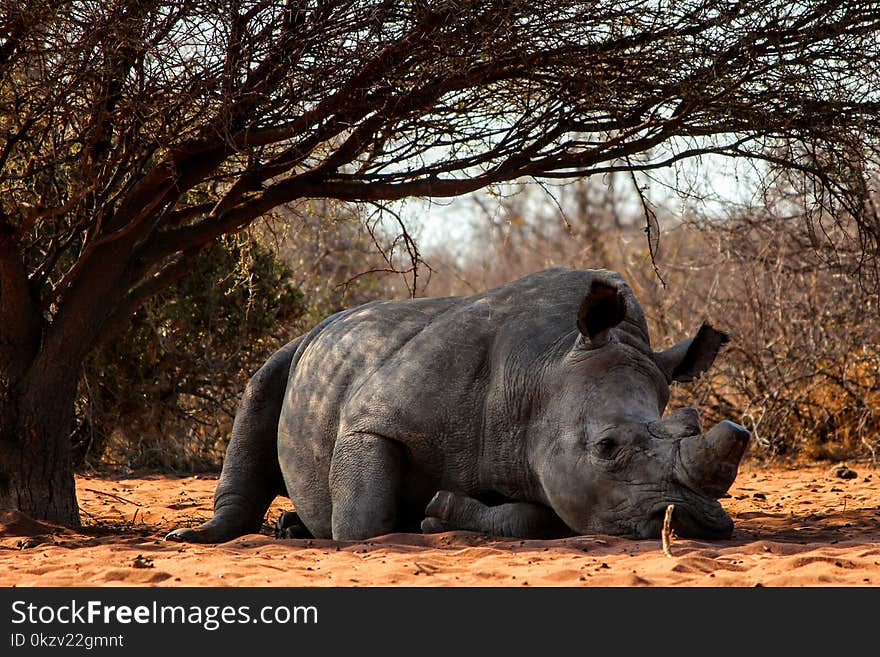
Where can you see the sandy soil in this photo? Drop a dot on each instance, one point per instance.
(795, 526)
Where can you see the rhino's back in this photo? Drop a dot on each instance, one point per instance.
(425, 373)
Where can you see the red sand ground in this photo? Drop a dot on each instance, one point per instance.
(795, 526)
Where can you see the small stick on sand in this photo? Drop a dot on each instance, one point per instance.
(113, 495)
(428, 569)
(666, 535)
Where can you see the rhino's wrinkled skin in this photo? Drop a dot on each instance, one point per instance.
(533, 409)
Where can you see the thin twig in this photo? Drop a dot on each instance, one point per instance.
(652, 226)
(118, 497)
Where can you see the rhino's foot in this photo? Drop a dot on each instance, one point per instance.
(447, 511)
(443, 503)
(222, 527)
(434, 526)
(289, 525)
(205, 533)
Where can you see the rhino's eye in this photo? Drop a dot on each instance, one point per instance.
(607, 448)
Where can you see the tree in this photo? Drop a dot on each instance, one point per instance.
(136, 132)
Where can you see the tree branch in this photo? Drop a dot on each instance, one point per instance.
(119, 320)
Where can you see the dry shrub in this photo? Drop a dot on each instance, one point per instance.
(801, 370)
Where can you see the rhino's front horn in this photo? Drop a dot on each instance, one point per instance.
(708, 464)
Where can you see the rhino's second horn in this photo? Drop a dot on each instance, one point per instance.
(708, 464)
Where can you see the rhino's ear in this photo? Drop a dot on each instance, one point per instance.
(602, 309)
(689, 358)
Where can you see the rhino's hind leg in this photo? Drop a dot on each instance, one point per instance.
(447, 511)
(251, 476)
(365, 475)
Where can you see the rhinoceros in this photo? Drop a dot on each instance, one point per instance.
(533, 409)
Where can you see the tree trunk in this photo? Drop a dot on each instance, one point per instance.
(40, 365)
(36, 471)
(37, 393)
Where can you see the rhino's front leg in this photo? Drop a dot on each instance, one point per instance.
(365, 474)
(447, 511)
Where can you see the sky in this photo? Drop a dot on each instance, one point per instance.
(710, 185)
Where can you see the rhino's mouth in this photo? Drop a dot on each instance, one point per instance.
(694, 518)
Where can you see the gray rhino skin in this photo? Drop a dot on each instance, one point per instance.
(530, 410)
